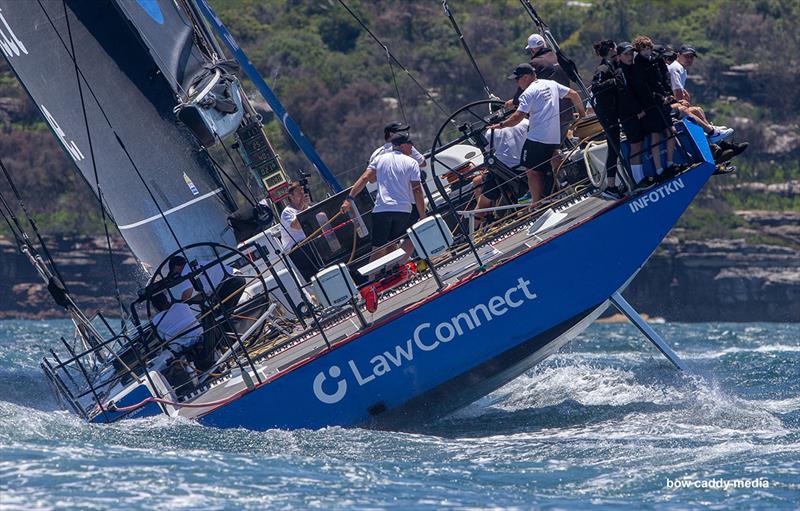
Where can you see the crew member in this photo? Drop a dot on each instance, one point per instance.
(631, 111)
(508, 143)
(292, 232)
(176, 269)
(722, 150)
(545, 63)
(177, 326)
(678, 74)
(398, 177)
(606, 82)
(540, 101)
(389, 131)
(648, 89)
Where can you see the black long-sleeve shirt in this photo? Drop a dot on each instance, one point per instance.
(632, 98)
(606, 83)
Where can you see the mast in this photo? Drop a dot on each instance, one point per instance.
(289, 124)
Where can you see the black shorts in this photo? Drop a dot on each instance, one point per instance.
(654, 120)
(536, 156)
(389, 225)
(494, 184)
(633, 129)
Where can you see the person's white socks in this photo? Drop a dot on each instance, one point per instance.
(638, 173)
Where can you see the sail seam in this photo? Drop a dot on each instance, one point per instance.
(170, 211)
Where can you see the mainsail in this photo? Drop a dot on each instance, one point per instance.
(110, 104)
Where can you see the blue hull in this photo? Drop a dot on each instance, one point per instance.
(476, 336)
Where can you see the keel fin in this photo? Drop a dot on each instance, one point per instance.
(624, 307)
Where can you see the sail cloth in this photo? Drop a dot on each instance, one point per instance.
(128, 101)
(168, 34)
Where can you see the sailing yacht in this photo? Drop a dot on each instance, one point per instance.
(140, 92)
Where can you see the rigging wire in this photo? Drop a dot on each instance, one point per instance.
(452, 19)
(252, 200)
(391, 55)
(396, 88)
(32, 223)
(123, 313)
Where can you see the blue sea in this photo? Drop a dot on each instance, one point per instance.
(606, 423)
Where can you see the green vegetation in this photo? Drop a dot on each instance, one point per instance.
(336, 82)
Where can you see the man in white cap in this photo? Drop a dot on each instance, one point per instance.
(545, 62)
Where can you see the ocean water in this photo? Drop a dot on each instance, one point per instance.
(606, 423)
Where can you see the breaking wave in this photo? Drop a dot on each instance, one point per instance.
(606, 421)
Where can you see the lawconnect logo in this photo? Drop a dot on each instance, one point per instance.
(331, 386)
(656, 195)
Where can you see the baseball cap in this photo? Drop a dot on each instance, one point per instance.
(663, 49)
(395, 127)
(535, 41)
(623, 47)
(401, 138)
(521, 70)
(687, 50)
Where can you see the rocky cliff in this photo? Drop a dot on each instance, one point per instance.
(85, 265)
(713, 280)
(719, 280)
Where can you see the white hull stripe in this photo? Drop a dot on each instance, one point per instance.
(170, 211)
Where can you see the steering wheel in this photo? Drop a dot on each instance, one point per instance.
(221, 254)
(466, 126)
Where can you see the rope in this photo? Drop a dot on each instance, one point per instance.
(123, 409)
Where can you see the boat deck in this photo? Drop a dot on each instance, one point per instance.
(506, 238)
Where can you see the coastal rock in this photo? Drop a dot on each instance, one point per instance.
(719, 280)
(84, 263)
(711, 280)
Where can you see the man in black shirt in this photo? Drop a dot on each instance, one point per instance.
(631, 110)
(657, 122)
(606, 82)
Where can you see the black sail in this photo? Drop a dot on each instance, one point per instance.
(156, 182)
(167, 31)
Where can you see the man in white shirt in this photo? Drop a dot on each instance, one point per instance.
(677, 77)
(398, 177)
(292, 232)
(539, 100)
(389, 131)
(178, 327)
(176, 324)
(507, 143)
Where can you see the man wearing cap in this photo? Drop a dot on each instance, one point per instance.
(677, 74)
(540, 101)
(398, 177)
(545, 63)
(632, 110)
(389, 131)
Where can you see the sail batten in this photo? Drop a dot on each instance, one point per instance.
(146, 162)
